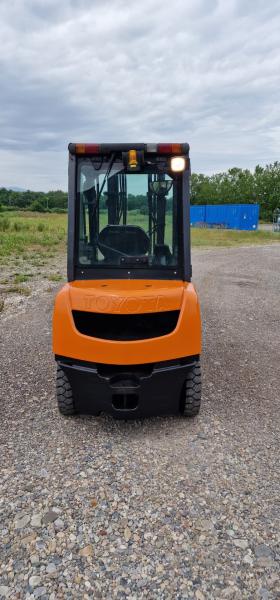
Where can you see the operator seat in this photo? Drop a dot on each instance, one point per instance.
(117, 240)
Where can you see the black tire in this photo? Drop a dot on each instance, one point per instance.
(65, 400)
(192, 392)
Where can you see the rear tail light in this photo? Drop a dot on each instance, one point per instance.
(169, 148)
(87, 148)
(152, 148)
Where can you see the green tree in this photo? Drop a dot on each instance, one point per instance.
(240, 186)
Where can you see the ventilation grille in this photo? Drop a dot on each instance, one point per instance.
(125, 327)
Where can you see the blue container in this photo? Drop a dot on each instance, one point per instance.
(226, 216)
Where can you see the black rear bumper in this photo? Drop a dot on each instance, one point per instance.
(127, 391)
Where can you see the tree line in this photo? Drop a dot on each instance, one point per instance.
(36, 201)
(240, 186)
(235, 186)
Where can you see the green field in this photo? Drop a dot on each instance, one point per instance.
(24, 234)
(37, 236)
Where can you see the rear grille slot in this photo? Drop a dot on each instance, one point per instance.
(125, 401)
(125, 327)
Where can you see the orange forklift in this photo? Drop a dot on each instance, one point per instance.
(126, 326)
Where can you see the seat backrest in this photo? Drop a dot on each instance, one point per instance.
(130, 240)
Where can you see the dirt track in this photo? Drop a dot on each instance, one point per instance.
(163, 508)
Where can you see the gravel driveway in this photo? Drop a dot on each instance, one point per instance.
(159, 508)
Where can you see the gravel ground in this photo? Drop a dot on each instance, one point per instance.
(159, 508)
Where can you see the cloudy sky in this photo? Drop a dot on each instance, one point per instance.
(202, 71)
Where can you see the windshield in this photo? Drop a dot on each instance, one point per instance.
(126, 219)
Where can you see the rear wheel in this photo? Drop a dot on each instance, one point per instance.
(192, 392)
(64, 394)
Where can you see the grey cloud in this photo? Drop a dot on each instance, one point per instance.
(202, 71)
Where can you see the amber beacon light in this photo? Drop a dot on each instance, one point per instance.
(132, 159)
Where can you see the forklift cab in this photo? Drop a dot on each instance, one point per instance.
(126, 327)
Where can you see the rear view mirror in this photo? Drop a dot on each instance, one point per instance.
(161, 187)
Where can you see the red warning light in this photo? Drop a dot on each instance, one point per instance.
(169, 148)
(87, 148)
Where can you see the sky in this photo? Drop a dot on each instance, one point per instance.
(202, 71)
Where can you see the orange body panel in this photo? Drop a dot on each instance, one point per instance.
(127, 297)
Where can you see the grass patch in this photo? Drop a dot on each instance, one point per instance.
(38, 263)
(54, 277)
(17, 289)
(4, 223)
(31, 234)
(230, 237)
(1, 304)
(22, 277)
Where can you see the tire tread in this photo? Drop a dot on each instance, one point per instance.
(192, 392)
(64, 394)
